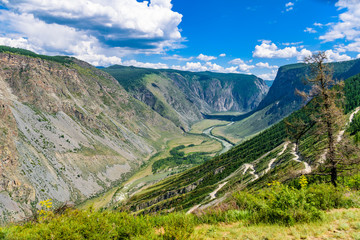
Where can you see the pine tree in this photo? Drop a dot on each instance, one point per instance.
(327, 114)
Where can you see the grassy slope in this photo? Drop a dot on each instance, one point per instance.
(282, 100)
(204, 177)
(183, 96)
(339, 224)
(146, 177)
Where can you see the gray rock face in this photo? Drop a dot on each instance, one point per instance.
(67, 133)
(183, 97)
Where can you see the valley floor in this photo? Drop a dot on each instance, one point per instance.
(339, 224)
(199, 139)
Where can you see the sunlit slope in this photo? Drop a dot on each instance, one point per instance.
(267, 157)
(183, 97)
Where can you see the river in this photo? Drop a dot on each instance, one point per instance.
(226, 145)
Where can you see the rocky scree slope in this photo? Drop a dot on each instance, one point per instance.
(67, 132)
(183, 97)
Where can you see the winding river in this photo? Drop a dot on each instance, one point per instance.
(226, 145)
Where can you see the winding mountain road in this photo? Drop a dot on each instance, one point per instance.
(274, 159)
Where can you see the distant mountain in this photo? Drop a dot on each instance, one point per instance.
(267, 157)
(69, 131)
(291, 77)
(281, 99)
(183, 97)
(269, 82)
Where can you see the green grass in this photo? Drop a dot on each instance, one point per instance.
(199, 127)
(245, 129)
(337, 224)
(58, 59)
(272, 208)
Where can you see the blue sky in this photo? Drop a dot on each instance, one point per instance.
(241, 36)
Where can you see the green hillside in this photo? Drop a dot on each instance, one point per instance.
(193, 187)
(183, 97)
(281, 99)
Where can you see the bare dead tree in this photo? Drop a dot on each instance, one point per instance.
(328, 113)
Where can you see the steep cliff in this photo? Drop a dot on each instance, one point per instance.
(282, 100)
(67, 132)
(182, 97)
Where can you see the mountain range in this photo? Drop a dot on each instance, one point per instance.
(70, 131)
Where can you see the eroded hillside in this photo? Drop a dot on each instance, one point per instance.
(183, 97)
(67, 132)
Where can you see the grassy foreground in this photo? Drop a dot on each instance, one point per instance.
(275, 212)
(338, 224)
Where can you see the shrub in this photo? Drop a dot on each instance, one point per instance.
(278, 204)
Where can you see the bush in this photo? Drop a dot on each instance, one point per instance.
(278, 204)
(177, 226)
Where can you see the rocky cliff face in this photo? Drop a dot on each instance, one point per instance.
(182, 97)
(67, 132)
(291, 77)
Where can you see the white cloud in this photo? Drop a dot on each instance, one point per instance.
(245, 67)
(304, 53)
(101, 32)
(267, 49)
(358, 56)
(205, 58)
(145, 65)
(265, 65)
(292, 43)
(144, 19)
(17, 42)
(222, 55)
(268, 76)
(208, 66)
(310, 30)
(242, 65)
(236, 61)
(349, 25)
(289, 6)
(177, 57)
(336, 57)
(352, 47)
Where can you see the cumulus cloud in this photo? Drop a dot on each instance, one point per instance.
(244, 67)
(105, 29)
(208, 66)
(205, 58)
(222, 55)
(265, 65)
(145, 65)
(236, 61)
(177, 57)
(310, 30)
(267, 49)
(304, 53)
(336, 57)
(348, 26)
(352, 47)
(289, 6)
(358, 56)
(268, 76)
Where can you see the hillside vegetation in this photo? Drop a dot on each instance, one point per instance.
(183, 97)
(278, 204)
(68, 131)
(254, 163)
(282, 100)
